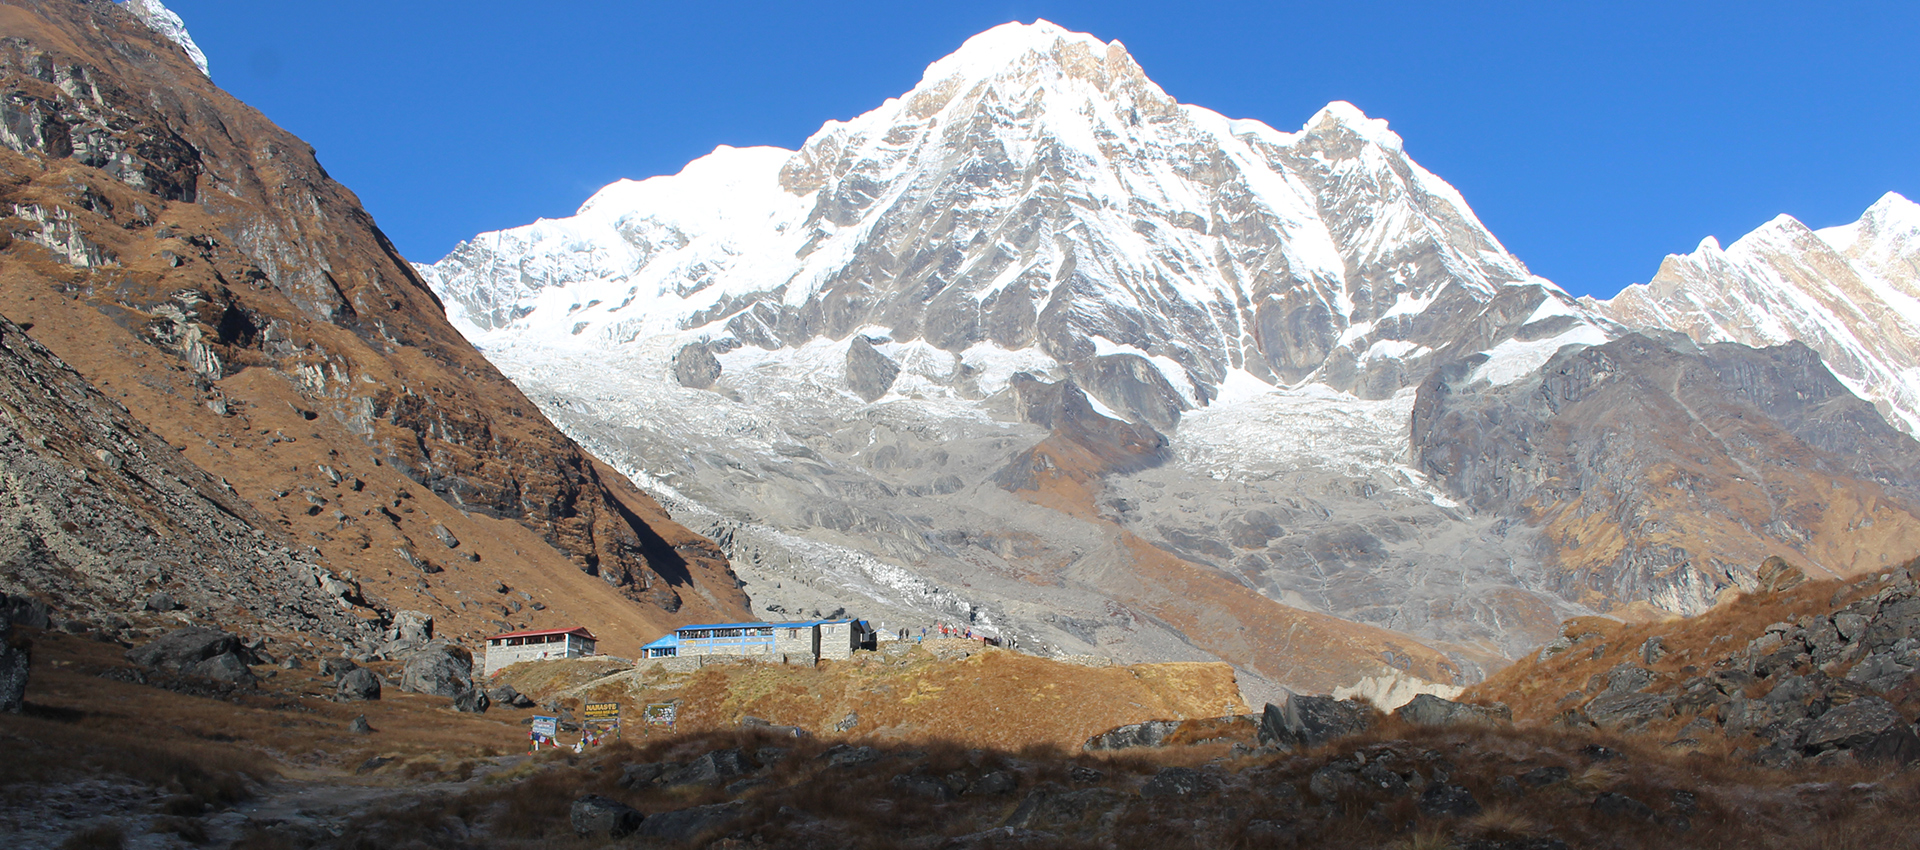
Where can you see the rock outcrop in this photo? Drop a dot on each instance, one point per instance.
(1303, 722)
(200, 652)
(1834, 685)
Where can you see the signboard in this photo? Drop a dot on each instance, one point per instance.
(543, 731)
(661, 713)
(602, 721)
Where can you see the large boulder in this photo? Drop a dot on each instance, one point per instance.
(25, 611)
(687, 824)
(1309, 721)
(15, 662)
(197, 651)
(228, 667)
(472, 701)
(1152, 733)
(357, 684)
(601, 817)
(1430, 710)
(711, 769)
(1625, 711)
(183, 648)
(506, 695)
(161, 602)
(1178, 782)
(1447, 801)
(441, 669)
(1868, 725)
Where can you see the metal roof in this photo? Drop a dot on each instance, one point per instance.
(576, 630)
(783, 625)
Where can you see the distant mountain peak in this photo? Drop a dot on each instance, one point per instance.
(165, 22)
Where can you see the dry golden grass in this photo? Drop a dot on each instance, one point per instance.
(992, 698)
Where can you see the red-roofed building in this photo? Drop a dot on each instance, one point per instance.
(515, 647)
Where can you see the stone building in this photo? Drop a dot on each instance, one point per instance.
(515, 647)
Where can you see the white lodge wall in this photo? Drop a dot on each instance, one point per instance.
(506, 650)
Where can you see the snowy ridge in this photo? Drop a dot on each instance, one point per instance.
(1037, 192)
(165, 22)
(1851, 292)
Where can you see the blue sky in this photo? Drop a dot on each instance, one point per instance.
(1592, 138)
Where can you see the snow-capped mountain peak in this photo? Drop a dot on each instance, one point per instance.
(1036, 192)
(165, 22)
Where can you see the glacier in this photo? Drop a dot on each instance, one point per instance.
(825, 359)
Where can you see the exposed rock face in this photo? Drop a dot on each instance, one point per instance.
(687, 824)
(695, 367)
(472, 701)
(196, 264)
(869, 373)
(1604, 450)
(1430, 710)
(1308, 721)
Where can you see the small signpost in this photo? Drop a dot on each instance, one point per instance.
(660, 714)
(543, 731)
(600, 721)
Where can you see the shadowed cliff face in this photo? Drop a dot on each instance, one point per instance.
(1665, 472)
(196, 263)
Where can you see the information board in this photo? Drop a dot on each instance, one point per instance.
(661, 713)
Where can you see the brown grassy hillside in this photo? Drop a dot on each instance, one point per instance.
(196, 264)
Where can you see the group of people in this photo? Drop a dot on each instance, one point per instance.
(942, 630)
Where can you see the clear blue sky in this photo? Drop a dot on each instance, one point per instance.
(1592, 138)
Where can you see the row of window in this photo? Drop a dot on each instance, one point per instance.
(758, 631)
(524, 641)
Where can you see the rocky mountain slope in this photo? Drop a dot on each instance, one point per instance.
(195, 265)
(101, 514)
(1200, 346)
(1662, 471)
(1797, 671)
(1852, 293)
